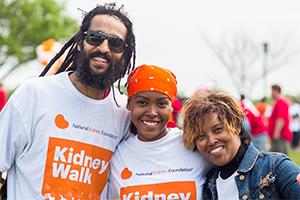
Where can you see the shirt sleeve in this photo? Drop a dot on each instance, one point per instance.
(13, 136)
(125, 131)
(111, 189)
(286, 173)
(281, 110)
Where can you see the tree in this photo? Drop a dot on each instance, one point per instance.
(247, 62)
(25, 24)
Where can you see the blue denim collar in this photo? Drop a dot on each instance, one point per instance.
(249, 159)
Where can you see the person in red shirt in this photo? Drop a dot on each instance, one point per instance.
(261, 106)
(173, 120)
(264, 109)
(258, 128)
(3, 96)
(279, 121)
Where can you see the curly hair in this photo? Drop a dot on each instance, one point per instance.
(200, 106)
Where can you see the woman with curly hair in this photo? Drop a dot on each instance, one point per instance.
(213, 124)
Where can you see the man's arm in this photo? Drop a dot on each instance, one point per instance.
(278, 127)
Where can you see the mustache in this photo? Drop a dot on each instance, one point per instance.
(99, 54)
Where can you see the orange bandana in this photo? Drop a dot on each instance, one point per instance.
(152, 78)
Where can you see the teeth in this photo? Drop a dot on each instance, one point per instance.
(150, 123)
(100, 59)
(216, 150)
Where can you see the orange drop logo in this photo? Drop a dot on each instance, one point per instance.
(126, 173)
(61, 122)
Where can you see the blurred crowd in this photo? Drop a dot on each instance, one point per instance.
(3, 96)
(273, 124)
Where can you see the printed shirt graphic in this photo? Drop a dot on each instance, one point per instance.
(161, 169)
(171, 190)
(75, 169)
(56, 142)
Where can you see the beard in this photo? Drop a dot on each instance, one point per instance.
(103, 80)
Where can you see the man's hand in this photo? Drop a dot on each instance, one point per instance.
(298, 178)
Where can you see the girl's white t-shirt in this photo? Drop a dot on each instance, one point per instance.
(158, 169)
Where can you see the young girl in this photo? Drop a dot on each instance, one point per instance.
(153, 163)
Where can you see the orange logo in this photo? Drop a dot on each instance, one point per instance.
(183, 190)
(61, 122)
(75, 170)
(126, 173)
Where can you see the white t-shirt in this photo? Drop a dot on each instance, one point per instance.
(294, 110)
(161, 168)
(56, 142)
(227, 188)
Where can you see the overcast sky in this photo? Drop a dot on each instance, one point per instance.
(169, 34)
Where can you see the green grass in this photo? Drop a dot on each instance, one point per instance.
(295, 156)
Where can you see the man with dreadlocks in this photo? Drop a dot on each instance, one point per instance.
(58, 132)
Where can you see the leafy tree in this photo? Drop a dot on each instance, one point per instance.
(25, 24)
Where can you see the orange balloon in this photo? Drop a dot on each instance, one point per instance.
(48, 44)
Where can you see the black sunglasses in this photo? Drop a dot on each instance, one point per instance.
(96, 38)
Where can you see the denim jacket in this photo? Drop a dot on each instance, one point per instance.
(261, 175)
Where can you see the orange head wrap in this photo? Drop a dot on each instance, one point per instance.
(152, 78)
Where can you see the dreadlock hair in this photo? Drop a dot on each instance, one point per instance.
(70, 61)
